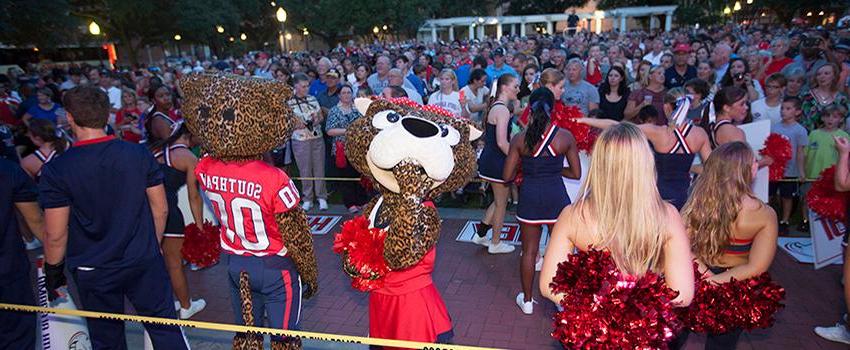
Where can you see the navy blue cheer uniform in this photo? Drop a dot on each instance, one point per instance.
(112, 250)
(492, 159)
(674, 169)
(542, 194)
(174, 179)
(17, 329)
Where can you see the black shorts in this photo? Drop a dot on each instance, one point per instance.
(786, 189)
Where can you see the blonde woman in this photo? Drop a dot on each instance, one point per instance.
(448, 96)
(619, 210)
(732, 233)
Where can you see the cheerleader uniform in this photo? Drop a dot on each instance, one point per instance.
(174, 179)
(408, 306)
(712, 136)
(492, 159)
(674, 169)
(542, 194)
(44, 159)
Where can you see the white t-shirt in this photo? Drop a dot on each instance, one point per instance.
(478, 98)
(653, 58)
(761, 111)
(114, 94)
(450, 102)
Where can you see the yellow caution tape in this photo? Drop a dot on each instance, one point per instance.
(238, 328)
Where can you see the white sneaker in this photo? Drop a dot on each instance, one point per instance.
(176, 305)
(307, 205)
(539, 264)
(838, 333)
(500, 248)
(323, 204)
(195, 306)
(33, 244)
(480, 240)
(527, 307)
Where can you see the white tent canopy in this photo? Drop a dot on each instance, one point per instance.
(476, 25)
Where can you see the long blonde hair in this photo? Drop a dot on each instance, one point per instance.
(716, 199)
(621, 195)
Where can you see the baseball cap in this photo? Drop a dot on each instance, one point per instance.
(261, 55)
(683, 48)
(332, 72)
(499, 52)
(843, 44)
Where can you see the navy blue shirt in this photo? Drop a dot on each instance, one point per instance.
(7, 144)
(673, 79)
(104, 182)
(15, 187)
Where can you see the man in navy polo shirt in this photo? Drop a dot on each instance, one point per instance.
(105, 212)
(17, 190)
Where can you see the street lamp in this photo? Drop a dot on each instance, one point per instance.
(288, 36)
(384, 27)
(273, 4)
(737, 6)
(375, 30)
(177, 37)
(749, 2)
(820, 13)
(280, 14)
(231, 39)
(219, 29)
(727, 10)
(243, 37)
(809, 14)
(94, 28)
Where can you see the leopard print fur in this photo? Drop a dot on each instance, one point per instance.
(288, 343)
(299, 242)
(414, 228)
(236, 117)
(247, 341)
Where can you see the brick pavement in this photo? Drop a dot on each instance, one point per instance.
(479, 290)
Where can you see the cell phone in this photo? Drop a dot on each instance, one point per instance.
(739, 76)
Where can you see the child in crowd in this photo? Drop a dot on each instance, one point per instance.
(821, 152)
(795, 168)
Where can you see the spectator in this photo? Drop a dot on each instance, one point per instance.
(657, 47)
(328, 98)
(594, 60)
(127, 120)
(680, 72)
(107, 84)
(667, 60)
(769, 107)
(720, 60)
(613, 94)
(738, 75)
(841, 52)
(699, 90)
(49, 142)
(642, 76)
(474, 96)
(652, 94)
(795, 171)
(824, 92)
(264, 66)
(702, 54)
(526, 85)
(396, 78)
(448, 96)
(572, 24)
(394, 92)
(361, 74)
(821, 152)
(307, 143)
(282, 75)
(812, 49)
(339, 118)
(75, 77)
(557, 61)
(495, 70)
(379, 80)
(110, 256)
(45, 109)
(578, 92)
(319, 84)
(777, 60)
(796, 83)
(411, 81)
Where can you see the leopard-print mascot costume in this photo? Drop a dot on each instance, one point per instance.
(411, 153)
(238, 119)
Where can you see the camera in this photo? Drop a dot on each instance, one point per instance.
(738, 76)
(309, 125)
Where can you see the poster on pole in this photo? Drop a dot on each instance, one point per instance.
(574, 185)
(826, 240)
(756, 133)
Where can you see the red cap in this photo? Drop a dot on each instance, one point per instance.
(261, 55)
(683, 47)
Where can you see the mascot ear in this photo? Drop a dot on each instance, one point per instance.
(474, 133)
(362, 104)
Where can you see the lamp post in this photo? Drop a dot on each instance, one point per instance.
(306, 41)
(280, 15)
(94, 28)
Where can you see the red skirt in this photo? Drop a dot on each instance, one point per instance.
(409, 307)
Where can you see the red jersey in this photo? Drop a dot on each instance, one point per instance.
(246, 196)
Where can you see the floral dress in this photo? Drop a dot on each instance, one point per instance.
(813, 109)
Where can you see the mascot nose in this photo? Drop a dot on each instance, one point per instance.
(419, 128)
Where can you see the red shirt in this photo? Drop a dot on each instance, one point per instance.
(127, 135)
(776, 66)
(7, 104)
(246, 196)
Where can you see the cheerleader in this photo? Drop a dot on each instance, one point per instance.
(178, 165)
(620, 211)
(47, 137)
(541, 148)
(733, 234)
(161, 119)
(728, 109)
(674, 146)
(492, 163)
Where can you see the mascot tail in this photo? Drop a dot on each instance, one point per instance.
(247, 341)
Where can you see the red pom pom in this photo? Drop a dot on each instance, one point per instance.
(201, 247)
(747, 304)
(565, 116)
(778, 147)
(362, 251)
(824, 200)
(605, 309)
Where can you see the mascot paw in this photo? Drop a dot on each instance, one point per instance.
(287, 343)
(412, 179)
(245, 341)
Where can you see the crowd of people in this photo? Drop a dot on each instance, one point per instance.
(686, 91)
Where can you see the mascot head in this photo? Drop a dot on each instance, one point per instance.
(236, 117)
(398, 131)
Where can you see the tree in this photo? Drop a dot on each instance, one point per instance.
(43, 23)
(533, 7)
